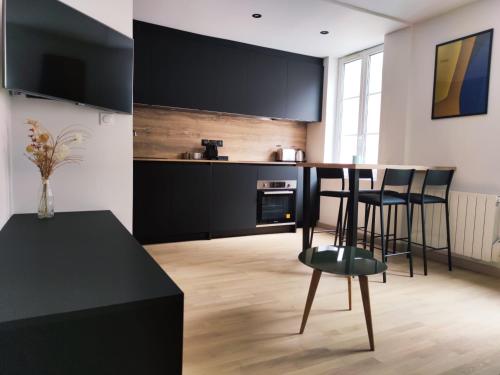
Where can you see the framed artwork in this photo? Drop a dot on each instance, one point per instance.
(462, 76)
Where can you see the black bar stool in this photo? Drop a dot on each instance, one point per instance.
(338, 174)
(385, 197)
(329, 174)
(364, 174)
(436, 178)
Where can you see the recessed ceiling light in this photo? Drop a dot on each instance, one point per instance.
(324, 32)
(257, 15)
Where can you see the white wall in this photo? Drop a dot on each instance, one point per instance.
(395, 90)
(4, 148)
(320, 134)
(469, 143)
(104, 179)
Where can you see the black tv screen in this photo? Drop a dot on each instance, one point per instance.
(53, 51)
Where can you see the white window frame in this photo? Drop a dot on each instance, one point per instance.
(364, 56)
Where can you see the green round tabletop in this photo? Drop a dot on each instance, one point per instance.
(342, 260)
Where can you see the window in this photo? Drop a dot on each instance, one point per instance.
(358, 106)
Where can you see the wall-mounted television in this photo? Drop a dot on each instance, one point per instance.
(54, 51)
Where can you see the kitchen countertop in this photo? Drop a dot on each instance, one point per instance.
(219, 161)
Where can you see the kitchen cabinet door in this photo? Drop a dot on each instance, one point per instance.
(234, 198)
(142, 63)
(170, 201)
(152, 203)
(190, 198)
(175, 60)
(231, 91)
(278, 173)
(267, 82)
(304, 97)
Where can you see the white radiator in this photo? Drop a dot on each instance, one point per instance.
(474, 220)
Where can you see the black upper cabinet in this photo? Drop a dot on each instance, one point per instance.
(180, 69)
(231, 90)
(305, 90)
(142, 64)
(175, 68)
(266, 84)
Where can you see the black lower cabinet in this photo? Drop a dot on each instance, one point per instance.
(171, 201)
(234, 198)
(300, 197)
(177, 201)
(271, 172)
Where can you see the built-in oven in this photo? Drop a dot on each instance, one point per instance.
(276, 202)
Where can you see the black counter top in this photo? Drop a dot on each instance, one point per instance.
(73, 262)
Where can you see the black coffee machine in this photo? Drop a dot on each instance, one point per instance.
(211, 149)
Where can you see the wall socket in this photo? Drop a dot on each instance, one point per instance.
(106, 118)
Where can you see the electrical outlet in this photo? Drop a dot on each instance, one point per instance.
(106, 119)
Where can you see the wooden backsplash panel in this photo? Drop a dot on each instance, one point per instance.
(167, 133)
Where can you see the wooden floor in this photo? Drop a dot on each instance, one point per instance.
(244, 299)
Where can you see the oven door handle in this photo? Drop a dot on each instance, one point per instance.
(281, 192)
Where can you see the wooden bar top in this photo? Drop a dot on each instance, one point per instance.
(370, 166)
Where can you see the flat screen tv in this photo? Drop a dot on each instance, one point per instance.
(53, 51)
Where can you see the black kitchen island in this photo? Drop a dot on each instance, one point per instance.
(79, 295)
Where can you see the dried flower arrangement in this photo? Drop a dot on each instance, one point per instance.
(49, 153)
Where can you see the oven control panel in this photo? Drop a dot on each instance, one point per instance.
(277, 185)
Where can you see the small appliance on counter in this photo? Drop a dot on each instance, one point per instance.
(300, 156)
(192, 155)
(290, 154)
(212, 149)
(285, 154)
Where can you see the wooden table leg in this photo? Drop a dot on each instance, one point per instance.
(310, 298)
(365, 294)
(349, 291)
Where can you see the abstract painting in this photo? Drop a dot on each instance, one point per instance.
(462, 76)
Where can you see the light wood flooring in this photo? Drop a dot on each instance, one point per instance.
(244, 299)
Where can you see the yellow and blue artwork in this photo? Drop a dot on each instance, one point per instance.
(462, 76)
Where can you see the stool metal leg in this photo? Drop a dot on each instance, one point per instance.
(341, 222)
(372, 237)
(408, 223)
(424, 244)
(384, 258)
(367, 218)
(412, 210)
(448, 234)
(344, 227)
(338, 229)
(388, 234)
(394, 243)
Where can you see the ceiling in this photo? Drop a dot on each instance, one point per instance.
(410, 11)
(293, 25)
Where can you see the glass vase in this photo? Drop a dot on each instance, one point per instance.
(46, 202)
